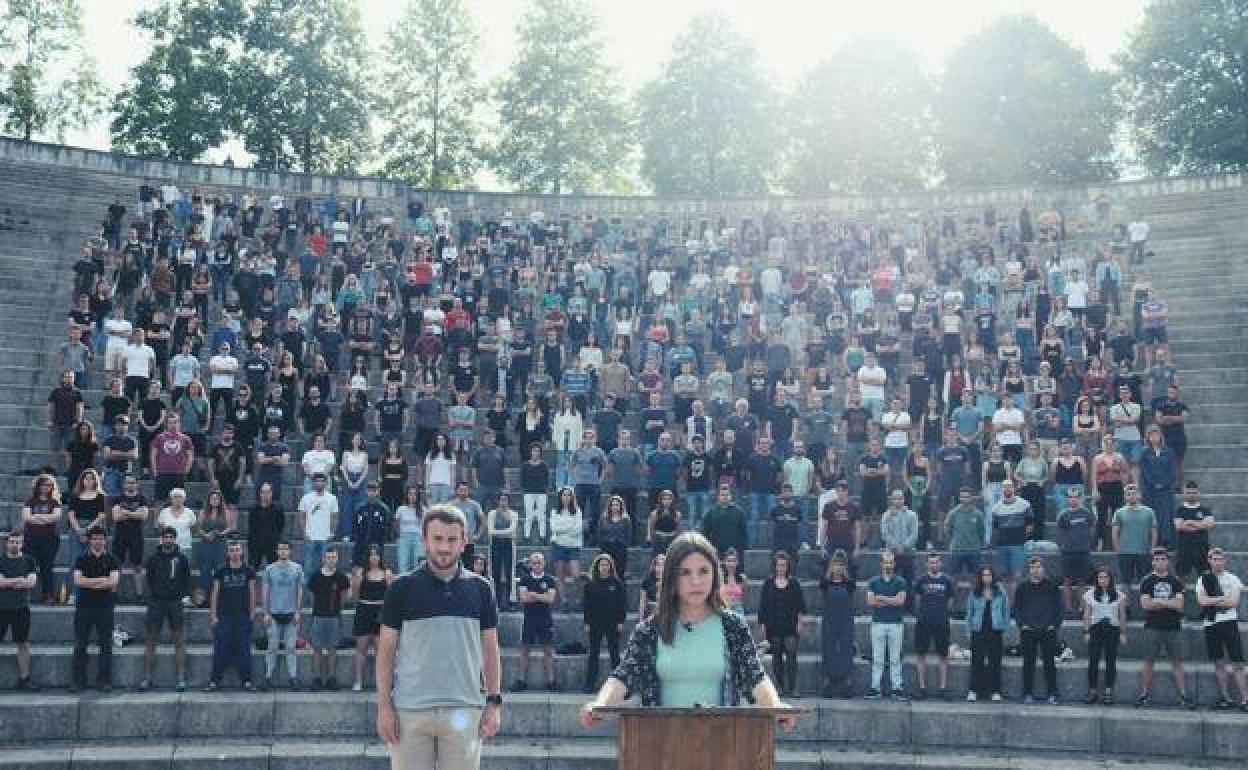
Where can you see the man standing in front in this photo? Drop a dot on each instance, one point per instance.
(934, 593)
(17, 579)
(886, 596)
(1218, 593)
(438, 645)
(1038, 611)
(96, 575)
(1162, 597)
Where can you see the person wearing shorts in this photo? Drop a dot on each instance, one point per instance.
(538, 593)
(934, 592)
(18, 575)
(169, 579)
(328, 587)
(1162, 598)
(1218, 593)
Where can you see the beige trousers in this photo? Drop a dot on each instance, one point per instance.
(437, 739)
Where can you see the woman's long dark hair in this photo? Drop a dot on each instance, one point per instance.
(593, 568)
(1110, 593)
(668, 611)
(979, 581)
(433, 447)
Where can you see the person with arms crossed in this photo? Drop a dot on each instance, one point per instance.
(1218, 593)
(438, 648)
(168, 573)
(1162, 597)
(934, 592)
(18, 575)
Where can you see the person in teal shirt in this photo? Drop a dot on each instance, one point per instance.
(692, 651)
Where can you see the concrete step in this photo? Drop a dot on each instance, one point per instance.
(51, 668)
(54, 625)
(837, 733)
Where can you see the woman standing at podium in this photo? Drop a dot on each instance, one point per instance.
(692, 651)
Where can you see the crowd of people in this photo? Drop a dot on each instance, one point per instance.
(989, 384)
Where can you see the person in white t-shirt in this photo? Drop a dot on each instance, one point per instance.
(140, 363)
(871, 381)
(180, 517)
(1222, 639)
(318, 508)
(1008, 426)
(317, 460)
(659, 281)
(222, 371)
(1137, 235)
(118, 331)
(1077, 294)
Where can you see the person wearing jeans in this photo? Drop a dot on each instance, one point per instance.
(886, 596)
(987, 618)
(1104, 620)
(1038, 610)
(96, 575)
(232, 605)
(281, 589)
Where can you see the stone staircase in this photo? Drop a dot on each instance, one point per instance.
(1199, 268)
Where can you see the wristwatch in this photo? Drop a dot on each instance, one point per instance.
(494, 700)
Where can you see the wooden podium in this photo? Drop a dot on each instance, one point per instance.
(737, 738)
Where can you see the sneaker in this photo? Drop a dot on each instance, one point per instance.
(1091, 698)
(996, 697)
(145, 685)
(105, 686)
(265, 685)
(920, 694)
(293, 685)
(181, 687)
(317, 684)
(211, 687)
(1222, 703)
(971, 697)
(944, 695)
(872, 694)
(248, 686)
(1027, 699)
(519, 685)
(357, 687)
(1244, 707)
(27, 685)
(1188, 703)
(1143, 701)
(552, 687)
(900, 695)
(1052, 700)
(75, 687)
(331, 684)
(1107, 698)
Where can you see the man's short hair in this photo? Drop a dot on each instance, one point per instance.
(97, 530)
(446, 514)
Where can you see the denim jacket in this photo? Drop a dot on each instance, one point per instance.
(975, 607)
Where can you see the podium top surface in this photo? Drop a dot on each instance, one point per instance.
(702, 711)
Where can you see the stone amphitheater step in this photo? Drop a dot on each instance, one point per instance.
(54, 625)
(51, 667)
(548, 722)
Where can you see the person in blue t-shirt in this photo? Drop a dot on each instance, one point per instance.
(886, 596)
(933, 599)
(664, 466)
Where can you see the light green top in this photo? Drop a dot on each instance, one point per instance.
(692, 668)
(1136, 523)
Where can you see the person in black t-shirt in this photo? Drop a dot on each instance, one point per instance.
(1162, 597)
(228, 466)
(17, 579)
(873, 470)
(1193, 521)
(96, 575)
(329, 588)
(231, 609)
(538, 593)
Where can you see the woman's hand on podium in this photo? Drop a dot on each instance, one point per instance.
(587, 716)
(788, 721)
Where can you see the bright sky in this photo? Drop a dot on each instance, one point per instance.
(791, 35)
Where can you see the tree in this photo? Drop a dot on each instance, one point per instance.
(563, 123)
(302, 102)
(1018, 104)
(180, 100)
(52, 85)
(858, 122)
(430, 94)
(707, 122)
(1184, 81)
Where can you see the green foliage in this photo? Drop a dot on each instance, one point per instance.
(282, 75)
(564, 126)
(708, 122)
(858, 122)
(1017, 104)
(429, 94)
(1185, 84)
(180, 100)
(302, 99)
(51, 83)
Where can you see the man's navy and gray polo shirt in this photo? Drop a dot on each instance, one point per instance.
(439, 659)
